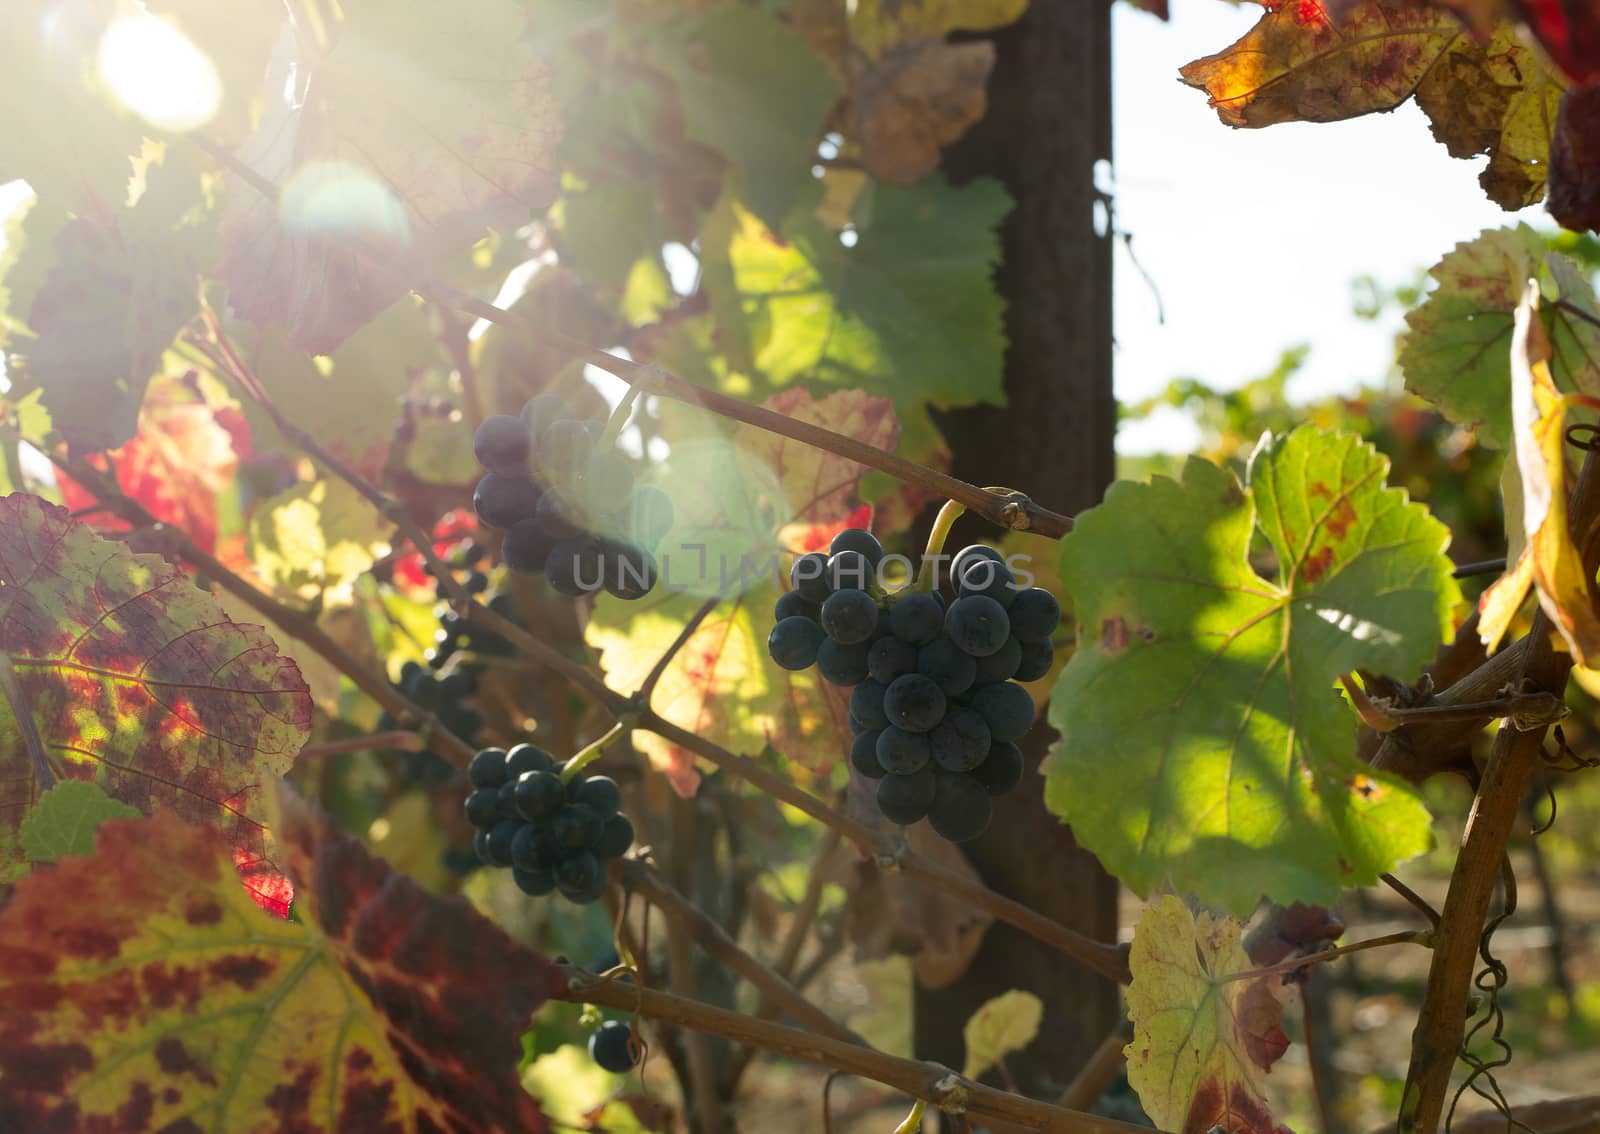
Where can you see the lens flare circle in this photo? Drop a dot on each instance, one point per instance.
(159, 74)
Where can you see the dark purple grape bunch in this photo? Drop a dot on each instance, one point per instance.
(554, 835)
(936, 708)
(570, 510)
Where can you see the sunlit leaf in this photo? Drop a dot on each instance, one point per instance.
(1201, 1043)
(1550, 562)
(757, 497)
(1001, 1025)
(137, 681)
(178, 464)
(117, 292)
(1203, 742)
(317, 537)
(423, 125)
(65, 819)
(1299, 64)
(1458, 347)
(351, 404)
(25, 263)
(1496, 98)
(145, 992)
(910, 311)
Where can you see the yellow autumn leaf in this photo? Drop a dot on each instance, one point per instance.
(1201, 1042)
(1000, 1026)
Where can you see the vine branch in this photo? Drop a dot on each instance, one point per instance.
(1512, 761)
(1424, 937)
(933, 1082)
(1005, 509)
(643, 880)
(1110, 961)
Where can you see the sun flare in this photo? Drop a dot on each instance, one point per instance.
(159, 74)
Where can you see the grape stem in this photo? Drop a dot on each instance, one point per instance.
(1423, 937)
(592, 751)
(400, 739)
(619, 418)
(928, 574)
(912, 1123)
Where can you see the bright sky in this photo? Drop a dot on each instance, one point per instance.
(1253, 236)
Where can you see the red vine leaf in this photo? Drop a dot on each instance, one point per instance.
(1570, 31)
(144, 992)
(176, 466)
(1575, 160)
(1301, 64)
(758, 496)
(1316, 61)
(139, 682)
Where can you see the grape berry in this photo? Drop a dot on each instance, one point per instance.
(570, 511)
(612, 1047)
(554, 835)
(936, 709)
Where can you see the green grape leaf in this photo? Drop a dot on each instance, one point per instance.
(318, 537)
(752, 90)
(910, 311)
(424, 125)
(65, 819)
(139, 682)
(1457, 352)
(350, 402)
(145, 993)
(1204, 745)
(116, 294)
(25, 263)
(757, 496)
(47, 78)
(1001, 1025)
(1201, 1043)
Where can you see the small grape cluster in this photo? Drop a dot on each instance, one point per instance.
(446, 696)
(554, 833)
(936, 708)
(570, 510)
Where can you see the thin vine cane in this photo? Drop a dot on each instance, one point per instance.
(1006, 508)
(937, 1084)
